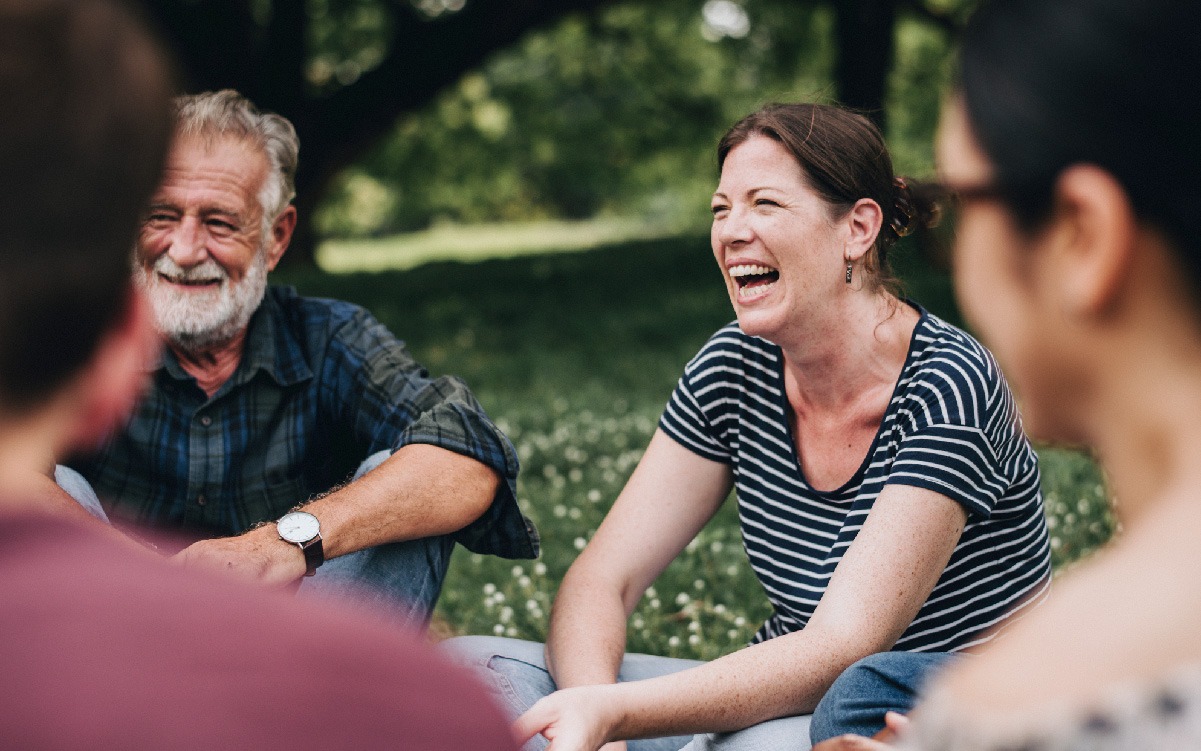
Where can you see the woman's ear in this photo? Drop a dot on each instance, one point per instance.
(863, 223)
(1094, 235)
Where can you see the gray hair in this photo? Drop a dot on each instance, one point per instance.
(214, 114)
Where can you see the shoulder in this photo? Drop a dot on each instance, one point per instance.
(952, 374)
(305, 313)
(731, 351)
(127, 666)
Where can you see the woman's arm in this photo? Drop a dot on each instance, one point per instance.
(667, 500)
(877, 589)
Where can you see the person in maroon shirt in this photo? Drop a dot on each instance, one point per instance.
(106, 646)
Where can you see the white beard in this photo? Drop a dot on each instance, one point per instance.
(200, 320)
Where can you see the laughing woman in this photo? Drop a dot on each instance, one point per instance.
(887, 496)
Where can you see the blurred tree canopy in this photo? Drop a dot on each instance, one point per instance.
(417, 111)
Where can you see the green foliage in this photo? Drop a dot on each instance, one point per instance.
(613, 114)
(574, 355)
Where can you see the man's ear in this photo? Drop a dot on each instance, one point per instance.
(281, 235)
(110, 385)
(863, 222)
(1096, 232)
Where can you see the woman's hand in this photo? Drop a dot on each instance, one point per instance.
(894, 724)
(573, 719)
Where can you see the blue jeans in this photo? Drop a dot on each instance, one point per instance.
(515, 673)
(400, 580)
(879, 683)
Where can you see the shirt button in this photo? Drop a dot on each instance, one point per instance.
(206, 421)
(201, 500)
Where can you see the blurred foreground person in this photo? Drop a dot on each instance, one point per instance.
(106, 647)
(1074, 144)
(887, 496)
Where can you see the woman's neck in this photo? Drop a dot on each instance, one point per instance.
(863, 345)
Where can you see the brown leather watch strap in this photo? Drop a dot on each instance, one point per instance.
(314, 555)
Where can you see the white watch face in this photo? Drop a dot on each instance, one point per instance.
(298, 526)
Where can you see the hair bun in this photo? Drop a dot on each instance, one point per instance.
(904, 216)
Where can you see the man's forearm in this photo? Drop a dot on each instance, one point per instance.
(420, 491)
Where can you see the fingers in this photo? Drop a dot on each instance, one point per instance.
(533, 722)
(896, 722)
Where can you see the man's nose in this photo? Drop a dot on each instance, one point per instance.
(188, 243)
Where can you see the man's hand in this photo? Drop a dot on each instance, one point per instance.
(573, 719)
(258, 555)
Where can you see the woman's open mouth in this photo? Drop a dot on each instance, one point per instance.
(753, 280)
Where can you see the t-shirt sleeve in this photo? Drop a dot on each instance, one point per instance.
(687, 419)
(390, 401)
(960, 434)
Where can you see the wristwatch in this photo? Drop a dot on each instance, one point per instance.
(302, 529)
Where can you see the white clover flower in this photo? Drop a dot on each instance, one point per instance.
(716, 546)
(517, 571)
(740, 621)
(579, 543)
(531, 605)
(694, 626)
(719, 608)
(594, 495)
(732, 633)
(731, 570)
(560, 511)
(524, 581)
(650, 592)
(694, 640)
(698, 584)
(489, 588)
(655, 603)
(540, 568)
(575, 475)
(573, 513)
(498, 629)
(683, 599)
(673, 641)
(506, 614)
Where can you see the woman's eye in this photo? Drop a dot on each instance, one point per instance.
(719, 209)
(765, 202)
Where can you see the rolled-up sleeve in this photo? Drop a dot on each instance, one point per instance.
(390, 401)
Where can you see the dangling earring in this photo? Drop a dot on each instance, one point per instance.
(848, 272)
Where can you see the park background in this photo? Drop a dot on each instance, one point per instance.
(519, 189)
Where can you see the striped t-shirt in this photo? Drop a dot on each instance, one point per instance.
(951, 427)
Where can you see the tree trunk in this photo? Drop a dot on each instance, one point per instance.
(864, 31)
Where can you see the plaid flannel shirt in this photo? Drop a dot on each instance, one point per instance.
(321, 386)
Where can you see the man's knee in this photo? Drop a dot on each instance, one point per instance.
(879, 683)
(75, 485)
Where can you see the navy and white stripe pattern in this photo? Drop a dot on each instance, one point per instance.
(951, 426)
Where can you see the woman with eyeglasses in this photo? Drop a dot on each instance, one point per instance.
(1074, 139)
(888, 498)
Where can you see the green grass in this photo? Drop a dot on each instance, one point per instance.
(574, 354)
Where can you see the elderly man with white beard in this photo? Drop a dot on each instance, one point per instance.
(281, 433)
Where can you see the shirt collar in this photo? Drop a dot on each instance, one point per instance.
(271, 346)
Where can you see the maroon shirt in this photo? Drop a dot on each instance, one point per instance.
(103, 650)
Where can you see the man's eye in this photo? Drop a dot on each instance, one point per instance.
(158, 218)
(221, 225)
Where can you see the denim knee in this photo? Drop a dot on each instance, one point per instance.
(885, 682)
